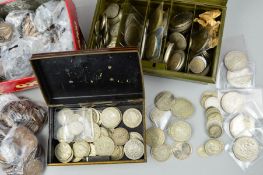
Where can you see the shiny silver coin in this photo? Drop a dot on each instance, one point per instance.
(181, 150)
(232, 102)
(179, 41)
(176, 61)
(112, 10)
(236, 60)
(161, 153)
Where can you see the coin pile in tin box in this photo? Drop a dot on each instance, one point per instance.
(180, 131)
(88, 134)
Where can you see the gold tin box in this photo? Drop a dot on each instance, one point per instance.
(97, 79)
(144, 15)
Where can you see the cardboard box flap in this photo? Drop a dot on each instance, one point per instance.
(89, 76)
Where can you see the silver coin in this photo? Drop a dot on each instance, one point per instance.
(168, 52)
(132, 118)
(232, 102)
(116, 19)
(111, 117)
(181, 150)
(176, 60)
(182, 108)
(179, 41)
(215, 131)
(104, 146)
(181, 22)
(132, 34)
(241, 125)
(114, 30)
(198, 64)
(180, 131)
(164, 100)
(112, 10)
(212, 102)
(160, 118)
(157, 18)
(201, 151)
(240, 79)
(154, 137)
(206, 95)
(136, 135)
(214, 147)
(236, 60)
(161, 153)
(63, 152)
(134, 149)
(246, 149)
(151, 46)
(118, 153)
(200, 41)
(120, 136)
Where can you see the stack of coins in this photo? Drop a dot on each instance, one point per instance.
(180, 131)
(107, 28)
(175, 55)
(158, 25)
(110, 139)
(214, 125)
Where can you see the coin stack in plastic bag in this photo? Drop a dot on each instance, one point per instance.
(178, 130)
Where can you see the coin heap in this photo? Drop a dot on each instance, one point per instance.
(214, 125)
(178, 130)
(203, 39)
(239, 74)
(109, 140)
(107, 26)
(158, 26)
(175, 55)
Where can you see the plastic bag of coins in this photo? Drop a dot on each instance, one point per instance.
(95, 117)
(234, 100)
(46, 27)
(20, 152)
(175, 39)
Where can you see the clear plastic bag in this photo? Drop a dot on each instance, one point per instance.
(20, 152)
(21, 111)
(234, 100)
(72, 124)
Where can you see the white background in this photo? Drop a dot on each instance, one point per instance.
(245, 18)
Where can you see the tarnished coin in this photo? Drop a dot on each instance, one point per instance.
(157, 18)
(240, 79)
(201, 151)
(120, 136)
(241, 125)
(132, 118)
(215, 131)
(181, 22)
(114, 30)
(212, 102)
(179, 41)
(134, 149)
(160, 118)
(63, 152)
(246, 149)
(112, 10)
(154, 137)
(81, 149)
(198, 64)
(236, 60)
(164, 100)
(182, 108)
(111, 117)
(133, 34)
(200, 41)
(232, 102)
(104, 146)
(161, 153)
(180, 131)
(214, 147)
(118, 153)
(176, 61)
(181, 150)
(151, 46)
(6, 32)
(117, 19)
(136, 135)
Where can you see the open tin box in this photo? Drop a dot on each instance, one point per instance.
(145, 10)
(97, 79)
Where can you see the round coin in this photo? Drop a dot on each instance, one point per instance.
(206, 95)
(111, 117)
(132, 118)
(160, 118)
(63, 135)
(104, 146)
(176, 61)
(164, 100)
(151, 47)
(81, 149)
(232, 102)
(215, 131)
(212, 102)
(154, 137)
(198, 64)
(246, 149)
(201, 151)
(136, 135)
(63, 152)
(120, 136)
(211, 110)
(134, 149)
(161, 153)
(240, 79)
(179, 41)
(112, 10)
(180, 131)
(236, 60)
(118, 153)
(168, 52)
(182, 108)
(214, 147)
(241, 125)
(181, 150)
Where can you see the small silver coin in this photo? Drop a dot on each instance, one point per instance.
(236, 60)
(181, 150)
(179, 41)
(198, 64)
(164, 100)
(176, 61)
(232, 102)
(241, 125)
(161, 153)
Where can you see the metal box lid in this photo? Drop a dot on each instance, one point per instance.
(89, 76)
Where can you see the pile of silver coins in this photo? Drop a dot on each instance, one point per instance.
(87, 135)
(175, 55)
(157, 30)
(178, 130)
(108, 26)
(214, 125)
